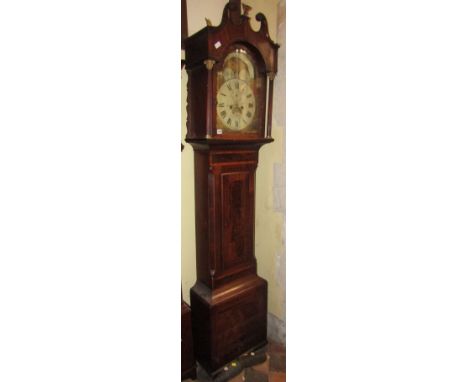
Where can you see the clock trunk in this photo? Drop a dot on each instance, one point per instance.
(229, 300)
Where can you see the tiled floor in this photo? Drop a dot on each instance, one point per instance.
(272, 370)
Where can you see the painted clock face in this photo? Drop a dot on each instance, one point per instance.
(237, 103)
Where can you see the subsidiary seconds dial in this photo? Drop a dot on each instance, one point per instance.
(235, 104)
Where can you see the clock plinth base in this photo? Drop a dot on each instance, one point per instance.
(228, 321)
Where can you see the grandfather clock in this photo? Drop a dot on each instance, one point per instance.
(230, 70)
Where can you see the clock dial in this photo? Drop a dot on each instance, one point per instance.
(235, 104)
(240, 89)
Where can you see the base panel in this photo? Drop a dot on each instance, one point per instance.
(228, 321)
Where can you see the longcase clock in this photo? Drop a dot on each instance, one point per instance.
(231, 70)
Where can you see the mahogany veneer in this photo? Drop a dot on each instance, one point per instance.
(229, 320)
(229, 299)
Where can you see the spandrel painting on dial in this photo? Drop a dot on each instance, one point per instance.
(233, 189)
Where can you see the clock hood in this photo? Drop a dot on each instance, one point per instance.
(212, 41)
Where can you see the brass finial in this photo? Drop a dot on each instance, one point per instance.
(209, 64)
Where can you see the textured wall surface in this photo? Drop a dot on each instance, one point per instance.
(271, 188)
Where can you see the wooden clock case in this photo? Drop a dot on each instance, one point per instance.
(229, 299)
